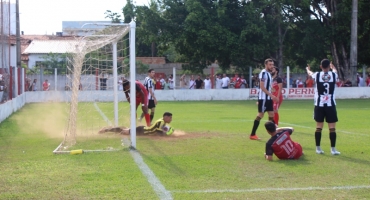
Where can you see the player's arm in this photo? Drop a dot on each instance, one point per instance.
(262, 86)
(268, 152)
(280, 85)
(152, 94)
(127, 96)
(283, 129)
(332, 67)
(268, 157)
(142, 96)
(308, 69)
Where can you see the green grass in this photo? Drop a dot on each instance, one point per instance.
(214, 159)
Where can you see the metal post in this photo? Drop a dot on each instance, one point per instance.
(132, 85)
(55, 78)
(115, 83)
(353, 55)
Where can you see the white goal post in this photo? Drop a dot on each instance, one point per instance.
(78, 50)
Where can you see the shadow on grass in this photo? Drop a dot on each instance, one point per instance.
(354, 160)
(170, 166)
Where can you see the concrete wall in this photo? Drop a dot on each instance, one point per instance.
(192, 95)
(9, 107)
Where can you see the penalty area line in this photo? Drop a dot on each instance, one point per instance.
(156, 184)
(273, 189)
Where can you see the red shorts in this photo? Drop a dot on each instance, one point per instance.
(299, 150)
(276, 106)
(138, 102)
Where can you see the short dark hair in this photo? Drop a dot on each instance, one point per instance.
(150, 70)
(270, 126)
(325, 63)
(277, 69)
(167, 114)
(125, 82)
(268, 60)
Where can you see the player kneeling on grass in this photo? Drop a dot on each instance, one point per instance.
(280, 143)
(159, 127)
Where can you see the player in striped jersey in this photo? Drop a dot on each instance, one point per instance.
(265, 97)
(150, 86)
(325, 106)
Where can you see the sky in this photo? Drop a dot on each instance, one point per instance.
(46, 16)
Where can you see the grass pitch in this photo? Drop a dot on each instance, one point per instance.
(210, 158)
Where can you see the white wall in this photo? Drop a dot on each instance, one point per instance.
(9, 107)
(6, 109)
(33, 58)
(190, 95)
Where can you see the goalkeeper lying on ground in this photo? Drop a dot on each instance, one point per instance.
(160, 127)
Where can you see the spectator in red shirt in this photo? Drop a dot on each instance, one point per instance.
(309, 82)
(158, 84)
(45, 85)
(236, 81)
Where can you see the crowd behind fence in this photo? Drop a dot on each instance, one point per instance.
(63, 82)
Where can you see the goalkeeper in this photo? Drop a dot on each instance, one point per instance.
(160, 127)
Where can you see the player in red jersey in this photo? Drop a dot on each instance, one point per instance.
(277, 86)
(280, 143)
(141, 97)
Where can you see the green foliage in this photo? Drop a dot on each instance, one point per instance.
(244, 33)
(49, 63)
(114, 17)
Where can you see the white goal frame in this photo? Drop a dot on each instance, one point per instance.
(74, 96)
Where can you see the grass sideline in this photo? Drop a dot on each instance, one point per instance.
(213, 160)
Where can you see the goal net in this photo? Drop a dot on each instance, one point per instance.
(97, 62)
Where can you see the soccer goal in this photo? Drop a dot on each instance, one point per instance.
(97, 62)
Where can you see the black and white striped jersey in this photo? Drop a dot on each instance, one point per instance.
(148, 83)
(265, 77)
(325, 88)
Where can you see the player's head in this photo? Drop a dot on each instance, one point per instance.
(269, 64)
(126, 85)
(325, 64)
(151, 73)
(275, 70)
(270, 127)
(167, 117)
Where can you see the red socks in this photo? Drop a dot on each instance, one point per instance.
(276, 118)
(147, 119)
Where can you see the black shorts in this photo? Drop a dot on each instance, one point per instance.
(151, 104)
(329, 113)
(265, 105)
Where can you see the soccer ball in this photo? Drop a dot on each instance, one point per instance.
(168, 130)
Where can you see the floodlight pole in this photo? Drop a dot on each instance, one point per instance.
(132, 85)
(288, 81)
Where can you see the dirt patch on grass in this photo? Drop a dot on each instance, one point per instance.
(177, 135)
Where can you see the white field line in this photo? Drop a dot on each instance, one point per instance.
(159, 189)
(354, 187)
(245, 120)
